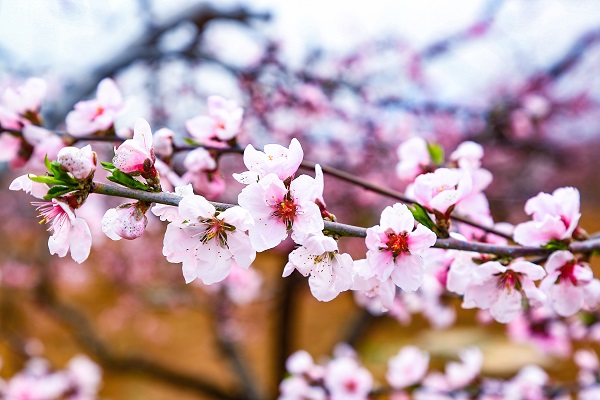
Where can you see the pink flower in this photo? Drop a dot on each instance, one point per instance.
(26, 98)
(442, 189)
(223, 122)
(276, 210)
(330, 272)
(85, 377)
(528, 384)
(414, 159)
(171, 213)
(163, 142)
(297, 388)
(243, 286)
(68, 231)
(136, 156)
(460, 374)
(395, 248)
(199, 160)
(276, 159)
(45, 144)
(370, 292)
(564, 285)
(347, 380)
(99, 114)
(20, 106)
(468, 155)
(10, 145)
(502, 288)
(207, 242)
(38, 190)
(555, 216)
(81, 163)
(126, 221)
(407, 368)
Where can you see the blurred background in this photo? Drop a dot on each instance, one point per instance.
(351, 82)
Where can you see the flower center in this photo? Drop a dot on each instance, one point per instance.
(398, 243)
(509, 280)
(567, 272)
(51, 213)
(285, 211)
(216, 229)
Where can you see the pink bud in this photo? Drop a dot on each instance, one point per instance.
(126, 221)
(79, 162)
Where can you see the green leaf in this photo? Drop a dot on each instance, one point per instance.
(49, 180)
(555, 244)
(47, 163)
(56, 191)
(422, 216)
(436, 152)
(107, 166)
(126, 180)
(191, 142)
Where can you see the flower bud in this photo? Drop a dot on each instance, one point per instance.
(126, 221)
(79, 162)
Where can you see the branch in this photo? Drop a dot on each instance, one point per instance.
(345, 176)
(342, 175)
(222, 310)
(355, 231)
(85, 334)
(145, 47)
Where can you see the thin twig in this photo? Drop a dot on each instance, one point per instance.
(81, 328)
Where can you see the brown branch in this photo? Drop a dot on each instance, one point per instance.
(356, 231)
(145, 48)
(83, 331)
(345, 176)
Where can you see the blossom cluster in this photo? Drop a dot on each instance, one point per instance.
(400, 272)
(80, 380)
(408, 376)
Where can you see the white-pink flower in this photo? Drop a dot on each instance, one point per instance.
(223, 122)
(18, 103)
(136, 156)
(68, 231)
(460, 374)
(199, 160)
(443, 188)
(565, 283)
(345, 379)
(127, 221)
(163, 142)
(468, 155)
(26, 98)
(555, 216)
(98, 114)
(277, 209)
(407, 368)
(81, 163)
(414, 159)
(502, 288)
(207, 242)
(395, 247)
(330, 272)
(369, 291)
(276, 159)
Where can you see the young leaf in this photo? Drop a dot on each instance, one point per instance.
(555, 244)
(49, 180)
(421, 216)
(56, 191)
(436, 152)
